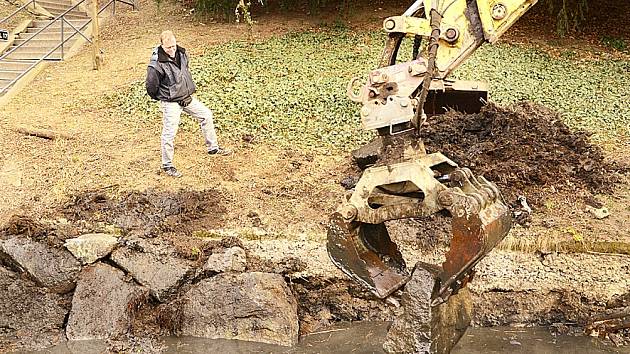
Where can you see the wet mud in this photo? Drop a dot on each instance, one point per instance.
(322, 303)
(149, 213)
(174, 216)
(525, 149)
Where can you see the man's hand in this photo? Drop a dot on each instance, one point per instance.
(185, 102)
(152, 83)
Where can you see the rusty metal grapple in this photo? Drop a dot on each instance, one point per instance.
(358, 241)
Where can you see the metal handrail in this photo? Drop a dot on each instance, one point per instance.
(132, 4)
(16, 11)
(63, 41)
(62, 16)
(39, 61)
(42, 29)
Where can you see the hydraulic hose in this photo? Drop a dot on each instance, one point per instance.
(436, 19)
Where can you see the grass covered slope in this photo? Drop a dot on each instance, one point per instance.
(290, 90)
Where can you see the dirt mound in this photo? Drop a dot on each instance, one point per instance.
(24, 225)
(525, 149)
(149, 213)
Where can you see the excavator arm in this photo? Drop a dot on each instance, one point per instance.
(408, 182)
(454, 29)
(463, 26)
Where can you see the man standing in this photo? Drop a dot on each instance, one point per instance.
(169, 81)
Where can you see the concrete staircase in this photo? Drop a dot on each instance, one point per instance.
(39, 38)
(57, 7)
(33, 43)
(10, 69)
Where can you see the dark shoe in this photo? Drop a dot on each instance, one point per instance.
(219, 152)
(171, 171)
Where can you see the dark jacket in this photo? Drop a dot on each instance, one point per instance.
(166, 81)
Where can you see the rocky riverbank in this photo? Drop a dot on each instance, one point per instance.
(111, 288)
(131, 290)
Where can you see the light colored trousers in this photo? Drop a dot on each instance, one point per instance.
(172, 112)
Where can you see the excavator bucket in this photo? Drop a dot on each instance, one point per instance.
(462, 96)
(366, 253)
(474, 236)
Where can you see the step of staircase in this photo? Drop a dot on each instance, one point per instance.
(20, 54)
(45, 30)
(43, 35)
(4, 84)
(57, 24)
(72, 15)
(61, 8)
(9, 74)
(45, 3)
(55, 2)
(70, 9)
(76, 17)
(20, 65)
(43, 43)
(29, 47)
(47, 33)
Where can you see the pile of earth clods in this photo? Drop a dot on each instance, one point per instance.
(148, 213)
(525, 149)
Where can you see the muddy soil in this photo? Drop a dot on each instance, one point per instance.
(149, 213)
(525, 149)
(175, 216)
(323, 302)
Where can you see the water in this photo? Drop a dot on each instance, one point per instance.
(367, 338)
(536, 340)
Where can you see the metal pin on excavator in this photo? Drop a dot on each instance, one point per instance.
(411, 183)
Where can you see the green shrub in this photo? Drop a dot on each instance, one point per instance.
(615, 43)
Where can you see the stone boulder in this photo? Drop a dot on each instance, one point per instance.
(30, 317)
(50, 267)
(423, 328)
(153, 267)
(368, 154)
(89, 248)
(102, 303)
(257, 307)
(233, 259)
